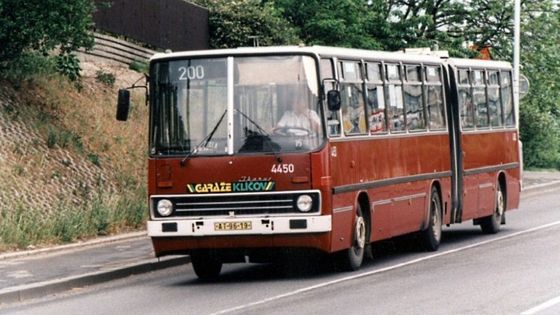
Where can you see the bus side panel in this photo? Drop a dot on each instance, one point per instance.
(392, 169)
(409, 207)
(488, 150)
(445, 199)
(342, 220)
(513, 179)
(381, 207)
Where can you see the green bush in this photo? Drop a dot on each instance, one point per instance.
(64, 139)
(27, 66)
(540, 134)
(69, 66)
(94, 159)
(139, 66)
(106, 78)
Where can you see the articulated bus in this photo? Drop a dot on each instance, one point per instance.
(259, 152)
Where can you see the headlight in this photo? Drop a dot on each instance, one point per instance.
(164, 207)
(304, 203)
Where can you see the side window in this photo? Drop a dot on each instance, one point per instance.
(333, 119)
(494, 101)
(375, 100)
(434, 98)
(413, 99)
(394, 97)
(507, 98)
(479, 98)
(352, 97)
(466, 106)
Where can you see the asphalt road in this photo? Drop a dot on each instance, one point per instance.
(516, 271)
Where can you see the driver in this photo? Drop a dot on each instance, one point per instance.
(300, 117)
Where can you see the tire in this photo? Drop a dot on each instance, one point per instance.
(351, 259)
(430, 238)
(491, 224)
(206, 266)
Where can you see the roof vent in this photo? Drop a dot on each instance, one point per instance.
(427, 51)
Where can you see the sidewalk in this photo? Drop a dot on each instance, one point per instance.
(31, 274)
(532, 180)
(26, 275)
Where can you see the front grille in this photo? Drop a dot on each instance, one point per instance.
(236, 204)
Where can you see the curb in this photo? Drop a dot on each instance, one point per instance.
(42, 289)
(541, 188)
(75, 246)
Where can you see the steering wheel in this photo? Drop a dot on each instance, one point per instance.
(292, 131)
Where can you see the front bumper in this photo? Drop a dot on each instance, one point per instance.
(259, 226)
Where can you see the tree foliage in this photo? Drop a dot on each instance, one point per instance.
(233, 23)
(540, 109)
(42, 26)
(348, 23)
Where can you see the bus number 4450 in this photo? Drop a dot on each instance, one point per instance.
(282, 168)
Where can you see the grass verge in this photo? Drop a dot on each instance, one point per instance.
(100, 214)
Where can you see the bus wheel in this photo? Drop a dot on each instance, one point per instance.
(491, 224)
(352, 258)
(206, 266)
(431, 236)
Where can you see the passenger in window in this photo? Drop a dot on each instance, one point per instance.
(353, 113)
(376, 110)
(299, 117)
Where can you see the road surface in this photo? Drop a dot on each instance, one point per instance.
(516, 271)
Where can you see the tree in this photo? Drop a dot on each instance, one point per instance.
(425, 23)
(233, 23)
(43, 25)
(540, 109)
(347, 23)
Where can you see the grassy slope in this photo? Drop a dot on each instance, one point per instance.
(68, 170)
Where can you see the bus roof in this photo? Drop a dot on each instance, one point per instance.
(322, 51)
(479, 63)
(341, 53)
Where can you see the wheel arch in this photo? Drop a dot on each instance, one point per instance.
(502, 181)
(503, 184)
(364, 203)
(437, 184)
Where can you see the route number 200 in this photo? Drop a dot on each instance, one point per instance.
(191, 73)
(282, 168)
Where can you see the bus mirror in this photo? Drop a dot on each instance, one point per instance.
(123, 104)
(333, 100)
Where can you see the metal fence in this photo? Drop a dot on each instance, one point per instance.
(164, 24)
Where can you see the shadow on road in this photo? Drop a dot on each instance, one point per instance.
(320, 266)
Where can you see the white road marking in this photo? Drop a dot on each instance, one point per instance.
(373, 272)
(543, 306)
(18, 274)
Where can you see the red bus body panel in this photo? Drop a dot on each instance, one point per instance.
(485, 150)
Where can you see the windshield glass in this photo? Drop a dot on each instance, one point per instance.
(274, 106)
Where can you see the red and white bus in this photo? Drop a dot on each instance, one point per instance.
(258, 151)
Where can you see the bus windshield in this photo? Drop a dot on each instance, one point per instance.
(273, 108)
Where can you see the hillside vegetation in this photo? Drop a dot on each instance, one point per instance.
(68, 170)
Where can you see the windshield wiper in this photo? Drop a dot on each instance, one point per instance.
(261, 129)
(204, 142)
(263, 132)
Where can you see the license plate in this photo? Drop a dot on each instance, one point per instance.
(232, 226)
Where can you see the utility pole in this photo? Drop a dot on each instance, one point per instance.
(516, 55)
